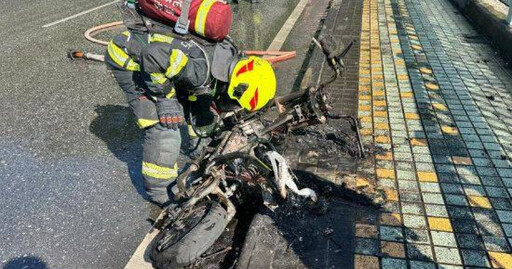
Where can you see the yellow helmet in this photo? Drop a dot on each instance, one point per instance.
(252, 83)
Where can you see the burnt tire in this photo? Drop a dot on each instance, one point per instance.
(194, 241)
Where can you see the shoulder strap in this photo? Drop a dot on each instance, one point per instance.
(183, 23)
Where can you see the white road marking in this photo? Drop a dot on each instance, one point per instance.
(281, 36)
(79, 14)
(140, 259)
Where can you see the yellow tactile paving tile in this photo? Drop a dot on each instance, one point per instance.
(478, 201)
(426, 70)
(501, 260)
(381, 126)
(380, 103)
(440, 224)
(390, 219)
(362, 182)
(402, 77)
(449, 130)
(385, 173)
(388, 156)
(366, 132)
(381, 139)
(366, 119)
(391, 195)
(432, 86)
(380, 114)
(412, 116)
(379, 93)
(417, 47)
(406, 95)
(418, 142)
(427, 176)
(365, 108)
(441, 107)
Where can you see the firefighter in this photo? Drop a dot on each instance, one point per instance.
(170, 81)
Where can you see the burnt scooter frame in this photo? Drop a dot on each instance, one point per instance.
(297, 110)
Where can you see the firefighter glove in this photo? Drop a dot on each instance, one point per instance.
(170, 112)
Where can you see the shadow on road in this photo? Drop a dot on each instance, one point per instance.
(28, 262)
(115, 125)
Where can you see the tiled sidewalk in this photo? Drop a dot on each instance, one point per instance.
(441, 107)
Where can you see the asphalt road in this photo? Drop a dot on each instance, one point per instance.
(69, 150)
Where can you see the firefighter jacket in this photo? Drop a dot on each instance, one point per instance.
(151, 66)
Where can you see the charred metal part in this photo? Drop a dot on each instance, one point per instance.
(224, 199)
(355, 125)
(217, 253)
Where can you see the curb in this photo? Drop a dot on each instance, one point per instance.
(494, 28)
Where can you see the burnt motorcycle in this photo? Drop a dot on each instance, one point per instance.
(241, 158)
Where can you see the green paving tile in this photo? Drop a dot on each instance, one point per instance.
(404, 185)
(501, 203)
(433, 198)
(475, 258)
(410, 197)
(505, 172)
(441, 159)
(448, 266)
(447, 255)
(430, 187)
(445, 168)
(419, 252)
(508, 183)
(491, 181)
(385, 164)
(425, 167)
(497, 192)
(417, 236)
(508, 229)
(484, 215)
(466, 226)
(459, 212)
(487, 171)
(498, 244)
(490, 228)
(452, 188)
(407, 166)
(422, 265)
(391, 233)
(390, 263)
(412, 208)
(406, 175)
(413, 221)
(474, 190)
(477, 153)
(452, 199)
(436, 210)
(367, 246)
(484, 162)
(504, 216)
(470, 179)
(470, 241)
(443, 239)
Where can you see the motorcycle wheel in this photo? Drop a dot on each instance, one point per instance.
(201, 228)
